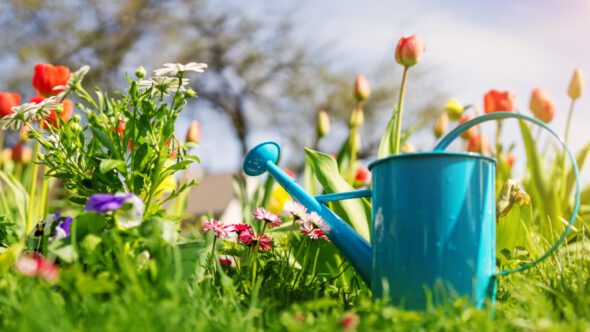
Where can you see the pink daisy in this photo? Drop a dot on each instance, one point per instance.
(220, 229)
(296, 210)
(315, 219)
(261, 214)
(250, 238)
(239, 228)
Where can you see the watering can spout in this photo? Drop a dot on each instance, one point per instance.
(354, 248)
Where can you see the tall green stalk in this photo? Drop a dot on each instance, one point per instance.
(33, 187)
(398, 115)
(566, 140)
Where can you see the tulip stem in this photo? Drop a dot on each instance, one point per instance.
(33, 187)
(398, 115)
(566, 137)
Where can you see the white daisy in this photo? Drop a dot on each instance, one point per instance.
(174, 68)
(163, 85)
(18, 117)
(43, 109)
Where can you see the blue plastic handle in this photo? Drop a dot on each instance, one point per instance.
(450, 137)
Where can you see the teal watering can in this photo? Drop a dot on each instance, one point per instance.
(434, 220)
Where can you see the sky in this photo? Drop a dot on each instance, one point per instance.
(471, 47)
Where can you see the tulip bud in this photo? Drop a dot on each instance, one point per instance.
(542, 105)
(510, 159)
(441, 125)
(140, 72)
(478, 143)
(23, 134)
(576, 87)
(190, 93)
(471, 131)
(6, 155)
(362, 175)
(323, 124)
(409, 50)
(362, 90)
(357, 118)
(454, 109)
(408, 148)
(194, 132)
(21, 154)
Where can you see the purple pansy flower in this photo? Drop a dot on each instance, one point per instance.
(102, 203)
(66, 226)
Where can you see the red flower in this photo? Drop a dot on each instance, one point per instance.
(261, 214)
(250, 239)
(194, 132)
(542, 105)
(239, 228)
(497, 101)
(7, 101)
(33, 265)
(409, 50)
(66, 112)
(350, 321)
(510, 159)
(473, 145)
(362, 174)
(47, 77)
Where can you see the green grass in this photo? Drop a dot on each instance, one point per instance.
(554, 296)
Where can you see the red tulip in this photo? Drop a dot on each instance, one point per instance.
(121, 127)
(496, 101)
(7, 101)
(47, 77)
(510, 159)
(362, 174)
(409, 50)
(362, 90)
(194, 132)
(474, 145)
(542, 105)
(21, 153)
(66, 112)
(471, 131)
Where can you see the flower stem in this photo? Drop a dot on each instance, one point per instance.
(33, 187)
(566, 140)
(398, 115)
(498, 144)
(213, 252)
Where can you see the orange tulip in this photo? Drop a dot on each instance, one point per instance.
(497, 101)
(471, 131)
(194, 132)
(409, 50)
(47, 77)
(362, 90)
(7, 101)
(66, 112)
(542, 105)
(474, 145)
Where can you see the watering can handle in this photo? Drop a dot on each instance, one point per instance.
(449, 138)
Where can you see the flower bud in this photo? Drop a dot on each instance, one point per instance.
(441, 125)
(357, 118)
(362, 90)
(475, 144)
(542, 105)
(408, 148)
(190, 93)
(576, 87)
(471, 131)
(454, 109)
(323, 124)
(6, 155)
(362, 175)
(76, 118)
(23, 134)
(21, 154)
(76, 127)
(140, 72)
(409, 50)
(193, 134)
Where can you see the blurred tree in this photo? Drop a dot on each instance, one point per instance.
(260, 75)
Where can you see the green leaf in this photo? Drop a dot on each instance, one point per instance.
(515, 230)
(107, 165)
(357, 212)
(65, 251)
(106, 141)
(385, 146)
(580, 159)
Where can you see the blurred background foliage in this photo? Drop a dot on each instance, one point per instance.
(263, 81)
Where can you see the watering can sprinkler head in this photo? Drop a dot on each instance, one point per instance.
(255, 162)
